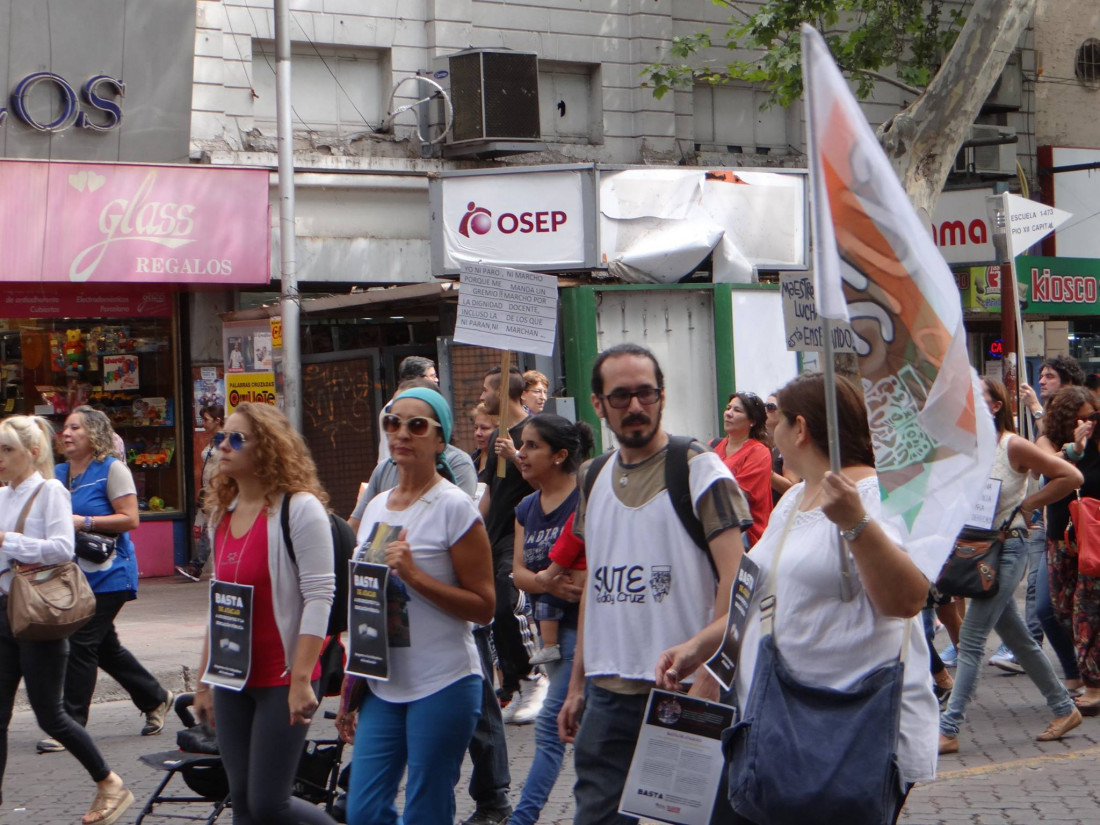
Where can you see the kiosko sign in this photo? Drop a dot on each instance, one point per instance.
(96, 222)
(1059, 286)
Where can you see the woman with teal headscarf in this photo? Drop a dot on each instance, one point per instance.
(428, 532)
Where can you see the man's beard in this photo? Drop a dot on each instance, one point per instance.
(642, 438)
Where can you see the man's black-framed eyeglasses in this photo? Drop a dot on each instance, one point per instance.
(620, 399)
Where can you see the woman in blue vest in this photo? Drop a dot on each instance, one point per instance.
(104, 501)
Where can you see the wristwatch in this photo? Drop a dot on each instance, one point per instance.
(853, 533)
(1039, 413)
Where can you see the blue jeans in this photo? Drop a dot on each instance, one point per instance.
(430, 735)
(1000, 613)
(1036, 544)
(549, 749)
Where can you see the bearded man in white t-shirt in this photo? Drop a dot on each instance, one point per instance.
(649, 584)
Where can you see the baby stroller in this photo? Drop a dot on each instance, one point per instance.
(199, 766)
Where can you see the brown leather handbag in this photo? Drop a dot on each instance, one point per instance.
(47, 602)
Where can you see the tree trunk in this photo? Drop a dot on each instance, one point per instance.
(924, 138)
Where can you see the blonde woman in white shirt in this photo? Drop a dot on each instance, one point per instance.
(45, 537)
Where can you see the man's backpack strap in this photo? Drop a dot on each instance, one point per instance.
(678, 484)
(593, 472)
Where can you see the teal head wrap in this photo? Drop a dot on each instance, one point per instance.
(438, 404)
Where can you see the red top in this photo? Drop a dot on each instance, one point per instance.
(244, 561)
(568, 549)
(751, 465)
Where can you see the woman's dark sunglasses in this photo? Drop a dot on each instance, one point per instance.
(418, 425)
(771, 406)
(236, 440)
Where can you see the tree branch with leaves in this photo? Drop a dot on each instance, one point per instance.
(946, 55)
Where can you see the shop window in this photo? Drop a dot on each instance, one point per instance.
(568, 103)
(125, 368)
(333, 89)
(729, 119)
(1084, 344)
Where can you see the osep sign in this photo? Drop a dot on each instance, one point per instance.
(522, 219)
(100, 96)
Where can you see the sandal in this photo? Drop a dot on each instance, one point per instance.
(108, 807)
(1086, 707)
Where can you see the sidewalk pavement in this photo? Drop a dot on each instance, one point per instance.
(1001, 774)
(163, 628)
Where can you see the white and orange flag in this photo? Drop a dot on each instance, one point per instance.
(877, 267)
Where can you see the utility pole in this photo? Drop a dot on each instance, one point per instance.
(1012, 338)
(288, 266)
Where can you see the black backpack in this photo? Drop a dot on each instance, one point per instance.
(677, 484)
(343, 548)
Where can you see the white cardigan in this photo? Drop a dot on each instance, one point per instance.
(301, 596)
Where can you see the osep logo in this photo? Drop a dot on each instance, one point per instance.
(479, 220)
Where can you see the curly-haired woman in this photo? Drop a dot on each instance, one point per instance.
(1070, 430)
(262, 727)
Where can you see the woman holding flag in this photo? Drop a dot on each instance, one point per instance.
(825, 640)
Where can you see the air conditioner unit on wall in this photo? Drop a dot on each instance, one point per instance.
(495, 93)
(995, 159)
(1008, 91)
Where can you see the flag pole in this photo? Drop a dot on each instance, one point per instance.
(847, 592)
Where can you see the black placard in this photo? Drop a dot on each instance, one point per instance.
(723, 665)
(230, 658)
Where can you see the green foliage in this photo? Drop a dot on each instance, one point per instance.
(906, 39)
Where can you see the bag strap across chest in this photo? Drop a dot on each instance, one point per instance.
(677, 485)
(26, 511)
(771, 587)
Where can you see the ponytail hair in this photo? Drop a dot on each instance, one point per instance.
(30, 433)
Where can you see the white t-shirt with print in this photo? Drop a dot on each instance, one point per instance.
(441, 649)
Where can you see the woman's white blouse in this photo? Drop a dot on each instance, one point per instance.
(829, 642)
(47, 536)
